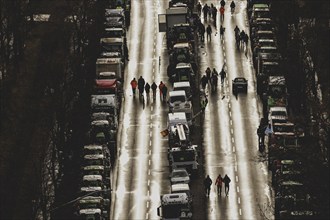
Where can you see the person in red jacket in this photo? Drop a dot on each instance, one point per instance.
(134, 85)
(218, 183)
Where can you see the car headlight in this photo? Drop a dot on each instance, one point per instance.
(183, 214)
(189, 215)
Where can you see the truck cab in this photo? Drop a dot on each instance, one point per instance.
(174, 206)
(182, 188)
(184, 157)
(276, 93)
(185, 86)
(178, 129)
(114, 65)
(104, 103)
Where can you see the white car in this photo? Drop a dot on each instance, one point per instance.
(278, 114)
(180, 175)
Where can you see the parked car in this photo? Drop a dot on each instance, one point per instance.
(180, 175)
(240, 84)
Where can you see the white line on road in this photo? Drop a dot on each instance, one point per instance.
(147, 215)
(149, 162)
(232, 140)
(239, 200)
(237, 189)
(231, 131)
(234, 149)
(236, 178)
(240, 211)
(148, 182)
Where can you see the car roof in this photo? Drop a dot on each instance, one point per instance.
(92, 177)
(181, 45)
(93, 156)
(181, 84)
(183, 65)
(278, 108)
(94, 167)
(177, 93)
(180, 187)
(93, 146)
(109, 40)
(176, 115)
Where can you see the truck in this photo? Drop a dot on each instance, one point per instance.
(173, 16)
(174, 206)
(184, 157)
(178, 128)
(110, 65)
(276, 92)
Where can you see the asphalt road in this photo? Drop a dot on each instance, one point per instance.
(141, 172)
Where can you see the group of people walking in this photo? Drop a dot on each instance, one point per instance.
(219, 181)
(142, 86)
(212, 78)
(241, 38)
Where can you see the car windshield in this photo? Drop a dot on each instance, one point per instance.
(89, 205)
(182, 156)
(277, 91)
(93, 183)
(283, 128)
(94, 162)
(93, 172)
(278, 113)
(93, 151)
(177, 99)
(180, 173)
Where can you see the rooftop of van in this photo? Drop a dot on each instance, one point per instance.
(181, 45)
(177, 115)
(260, 5)
(93, 147)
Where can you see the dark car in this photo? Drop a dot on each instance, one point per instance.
(240, 84)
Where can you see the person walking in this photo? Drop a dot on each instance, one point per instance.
(141, 84)
(134, 85)
(222, 31)
(269, 131)
(223, 75)
(204, 81)
(214, 14)
(204, 102)
(199, 8)
(208, 32)
(222, 13)
(164, 92)
(232, 7)
(214, 79)
(261, 137)
(147, 89)
(201, 31)
(160, 87)
(154, 88)
(218, 183)
(226, 180)
(207, 185)
(205, 11)
(208, 74)
(222, 3)
(241, 37)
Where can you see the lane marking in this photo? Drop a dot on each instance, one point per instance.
(237, 189)
(239, 200)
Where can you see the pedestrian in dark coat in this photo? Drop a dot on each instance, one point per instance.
(154, 88)
(208, 32)
(226, 180)
(223, 75)
(164, 92)
(201, 31)
(207, 185)
(147, 88)
(141, 84)
(222, 3)
(205, 11)
(204, 81)
(222, 31)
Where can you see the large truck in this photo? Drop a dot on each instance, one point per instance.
(173, 16)
(110, 65)
(174, 206)
(184, 157)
